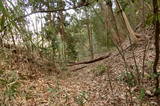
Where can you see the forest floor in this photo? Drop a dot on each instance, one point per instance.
(101, 83)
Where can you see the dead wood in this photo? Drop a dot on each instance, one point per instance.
(79, 68)
(91, 61)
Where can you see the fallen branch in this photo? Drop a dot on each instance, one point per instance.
(79, 68)
(91, 61)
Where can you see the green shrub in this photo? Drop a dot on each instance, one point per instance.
(9, 83)
(129, 78)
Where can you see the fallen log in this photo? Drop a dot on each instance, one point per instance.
(91, 61)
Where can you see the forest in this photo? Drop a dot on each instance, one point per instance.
(79, 53)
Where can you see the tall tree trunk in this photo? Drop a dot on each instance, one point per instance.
(126, 21)
(157, 32)
(62, 30)
(89, 30)
(117, 38)
(104, 13)
(51, 23)
(90, 40)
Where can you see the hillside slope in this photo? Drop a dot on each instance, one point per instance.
(30, 81)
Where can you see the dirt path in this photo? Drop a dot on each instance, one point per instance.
(88, 87)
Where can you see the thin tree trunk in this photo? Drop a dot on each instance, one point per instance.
(114, 23)
(157, 32)
(62, 30)
(104, 12)
(90, 40)
(89, 30)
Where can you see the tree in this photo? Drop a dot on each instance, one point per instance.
(156, 24)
